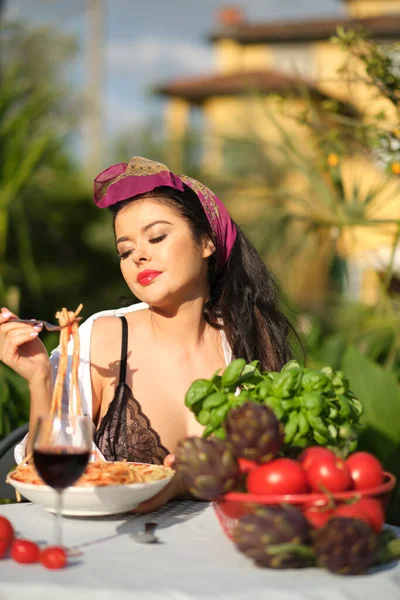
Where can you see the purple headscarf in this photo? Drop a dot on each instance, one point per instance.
(122, 181)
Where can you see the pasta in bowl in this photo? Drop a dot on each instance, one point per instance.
(105, 488)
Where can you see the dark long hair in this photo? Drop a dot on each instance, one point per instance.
(244, 293)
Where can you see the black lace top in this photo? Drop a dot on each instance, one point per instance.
(125, 433)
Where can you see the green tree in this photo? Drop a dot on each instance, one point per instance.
(51, 254)
(37, 112)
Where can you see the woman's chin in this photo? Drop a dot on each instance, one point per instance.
(152, 296)
(159, 297)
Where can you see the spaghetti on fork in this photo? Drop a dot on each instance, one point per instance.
(69, 327)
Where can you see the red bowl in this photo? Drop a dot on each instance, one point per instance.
(232, 506)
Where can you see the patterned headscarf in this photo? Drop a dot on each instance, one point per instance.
(122, 181)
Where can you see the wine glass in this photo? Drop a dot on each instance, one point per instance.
(61, 449)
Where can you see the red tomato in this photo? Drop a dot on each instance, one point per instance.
(331, 475)
(318, 516)
(53, 557)
(280, 476)
(374, 509)
(6, 535)
(366, 509)
(366, 470)
(349, 511)
(246, 465)
(24, 551)
(315, 454)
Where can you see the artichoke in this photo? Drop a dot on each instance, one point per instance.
(346, 546)
(254, 432)
(207, 467)
(277, 537)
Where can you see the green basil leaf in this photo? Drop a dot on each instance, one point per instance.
(291, 364)
(214, 400)
(299, 441)
(345, 410)
(198, 390)
(304, 426)
(291, 427)
(276, 405)
(220, 433)
(313, 401)
(207, 431)
(233, 372)
(287, 383)
(322, 440)
(317, 424)
(315, 381)
(203, 417)
(264, 389)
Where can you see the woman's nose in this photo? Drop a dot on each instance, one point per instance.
(140, 256)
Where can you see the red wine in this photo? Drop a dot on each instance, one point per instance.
(60, 467)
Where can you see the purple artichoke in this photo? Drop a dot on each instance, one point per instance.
(207, 467)
(277, 537)
(346, 546)
(254, 432)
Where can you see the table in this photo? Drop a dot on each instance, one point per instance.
(194, 561)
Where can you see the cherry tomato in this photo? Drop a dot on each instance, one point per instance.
(315, 454)
(53, 557)
(366, 509)
(318, 516)
(6, 535)
(366, 470)
(331, 475)
(24, 551)
(280, 476)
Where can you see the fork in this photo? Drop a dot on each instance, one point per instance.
(46, 324)
(146, 535)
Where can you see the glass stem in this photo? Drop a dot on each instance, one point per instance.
(58, 525)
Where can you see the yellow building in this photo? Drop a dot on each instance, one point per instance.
(269, 59)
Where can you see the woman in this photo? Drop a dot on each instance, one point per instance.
(205, 296)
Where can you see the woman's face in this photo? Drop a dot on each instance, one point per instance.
(160, 260)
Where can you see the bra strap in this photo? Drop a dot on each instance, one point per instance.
(124, 350)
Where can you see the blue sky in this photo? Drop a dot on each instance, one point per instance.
(150, 41)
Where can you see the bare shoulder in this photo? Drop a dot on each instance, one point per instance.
(137, 318)
(106, 331)
(106, 334)
(105, 350)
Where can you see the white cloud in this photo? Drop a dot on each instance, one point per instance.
(151, 53)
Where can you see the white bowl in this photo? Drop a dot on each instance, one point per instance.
(91, 501)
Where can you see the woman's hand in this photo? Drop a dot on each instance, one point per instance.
(175, 489)
(22, 350)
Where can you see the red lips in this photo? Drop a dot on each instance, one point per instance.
(146, 277)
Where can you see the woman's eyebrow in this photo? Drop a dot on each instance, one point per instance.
(147, 227)
(126, 238)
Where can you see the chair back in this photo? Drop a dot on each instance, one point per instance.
(7, 460)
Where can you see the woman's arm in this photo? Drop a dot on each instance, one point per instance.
(40, 393)
(175, 490)
(22, 350)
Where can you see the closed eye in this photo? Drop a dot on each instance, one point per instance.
(154, 240)
(124, 255)
(158, 239)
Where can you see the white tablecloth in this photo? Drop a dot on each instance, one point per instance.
(194, 560)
